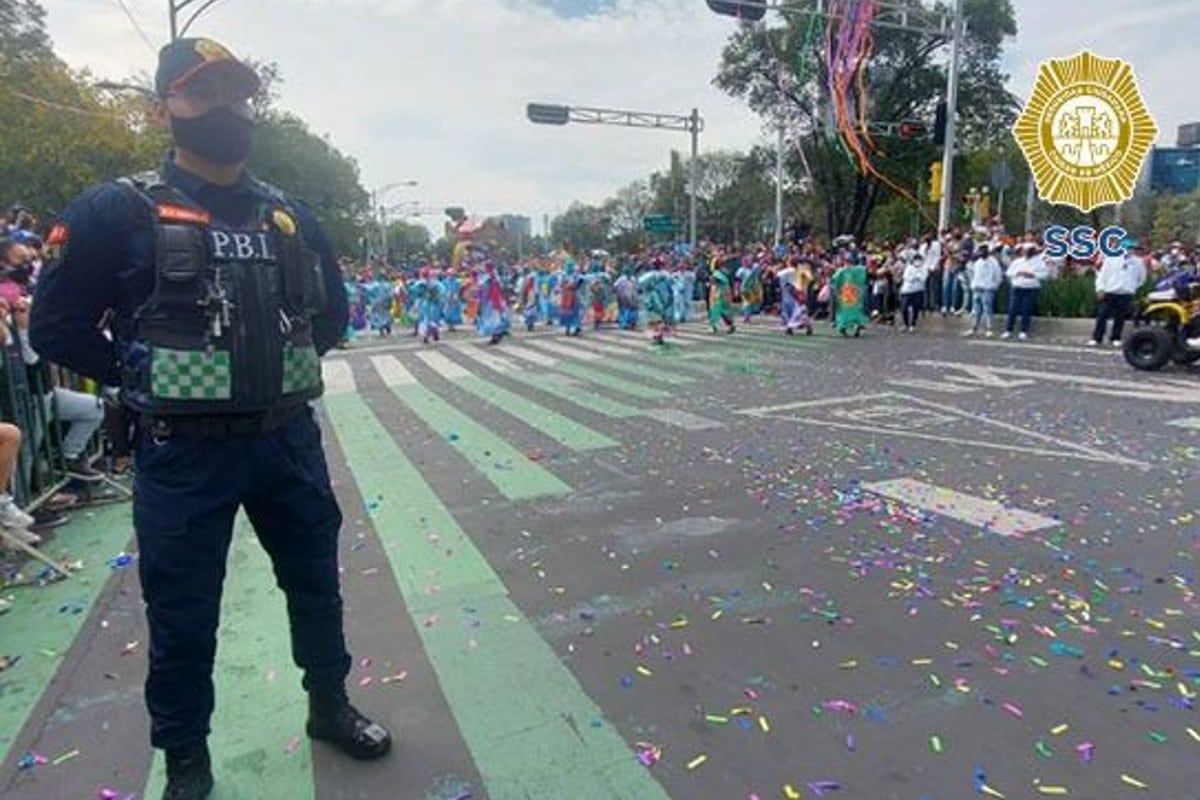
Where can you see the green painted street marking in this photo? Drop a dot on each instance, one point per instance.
(602, 380)
(531, 729)
(563, 430)
(509, 470)
(38, 630)
(258, 744)
(558, 386)
(671, 351)
(626, 367)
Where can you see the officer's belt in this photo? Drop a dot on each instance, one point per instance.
(218, 427)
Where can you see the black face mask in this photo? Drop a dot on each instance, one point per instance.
(221, 136)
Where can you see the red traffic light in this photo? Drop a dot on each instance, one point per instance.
(912, 130)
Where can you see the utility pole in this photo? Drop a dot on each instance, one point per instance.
(1030, 201)
(779, 188)
(951, 120)
(694, 179)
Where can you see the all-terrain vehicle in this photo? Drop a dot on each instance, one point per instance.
(1169, 316)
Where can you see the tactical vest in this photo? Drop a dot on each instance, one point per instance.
(227, 328)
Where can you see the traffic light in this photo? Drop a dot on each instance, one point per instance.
(935, 181)
(912, 129)
(939, 125)
(749, 11)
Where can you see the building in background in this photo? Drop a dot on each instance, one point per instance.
(1176, 170)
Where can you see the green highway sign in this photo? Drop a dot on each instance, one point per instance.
(659, 223)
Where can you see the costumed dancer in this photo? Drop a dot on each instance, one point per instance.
(721, 301)
(358, 306)
(627, 299)
(547, 296)
(570, 307)
(452, 309)
(493, 307)
(401, 302)
(430, 320)
(527, 297)
(683, 284)
(793, 298)
(750, 277)
(848, 293)
(470, 292)
(656, 288)
(599, 287)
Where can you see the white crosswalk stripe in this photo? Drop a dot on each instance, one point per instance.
(392, 371)
(443, 366)
(489, 359)
(338, 377)
(567, 351)
(526, 354)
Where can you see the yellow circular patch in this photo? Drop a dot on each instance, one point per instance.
(284, 222)
(1085, 131)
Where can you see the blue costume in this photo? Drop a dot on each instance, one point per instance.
(452, 309)
(570, 305)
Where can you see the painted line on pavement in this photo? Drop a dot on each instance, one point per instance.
(607, 382)
(508, 469)
(1161, 391)
(564, 430)
(392, 371)
(1190, 423)
(556, 385)
(36, 627)
(1107, 353)
(523, 352)
(525, 718)
(338, 377)
(987, 514)
(682, 419)
(606, 361)
(682, 362)
(260, 705)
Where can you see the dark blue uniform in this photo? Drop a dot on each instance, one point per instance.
(190, 483)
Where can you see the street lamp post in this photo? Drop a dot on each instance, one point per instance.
(380, 212)
(175, 9)
(548, 114)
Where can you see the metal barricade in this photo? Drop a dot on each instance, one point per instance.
(41, 469)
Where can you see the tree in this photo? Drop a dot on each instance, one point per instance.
(582, 227)
(629, 207)
(308, 167)
(906, 80)
(406, 240)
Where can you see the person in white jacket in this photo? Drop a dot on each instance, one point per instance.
(912, 291)
(1025, 276)
(1117, 282)
(985, 281)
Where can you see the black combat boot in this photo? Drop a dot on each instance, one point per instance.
(189, 773)
(332, 719)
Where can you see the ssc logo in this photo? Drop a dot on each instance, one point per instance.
(1085, 131)
(1084, 242)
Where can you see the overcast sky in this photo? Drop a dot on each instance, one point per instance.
(435, 90)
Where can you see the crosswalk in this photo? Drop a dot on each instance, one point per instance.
(521, 423)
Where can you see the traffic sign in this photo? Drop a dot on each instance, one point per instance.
(659, 223)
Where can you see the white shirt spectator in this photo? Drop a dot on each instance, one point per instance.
(987, 274)
(1027, 272)
(915, 275)
(1120, 275)
(932, 255)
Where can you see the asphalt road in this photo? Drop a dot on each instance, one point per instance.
(907, 567)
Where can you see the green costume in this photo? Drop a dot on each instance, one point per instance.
(849, 292)
(720, 300)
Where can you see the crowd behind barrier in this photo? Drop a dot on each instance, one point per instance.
(58, 417)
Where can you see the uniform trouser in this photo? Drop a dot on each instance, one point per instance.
(1116, 307)
(1021, 304)
(187, 493)
(911, 306)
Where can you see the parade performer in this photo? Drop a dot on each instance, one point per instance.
(599, 287)
(721, 301)
(527, 297)
(358, 306)
(452, 310)
(656, 289)
(848, 293)
(470, 291)
(401, 303)
(548, 296)
(569, 305)
(683, 284)
(627, 299)
(793, 292)
(379, 301)
(430, 306)
(494, 320)
(750, 277)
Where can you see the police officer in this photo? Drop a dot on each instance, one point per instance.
(220, 294)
